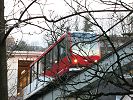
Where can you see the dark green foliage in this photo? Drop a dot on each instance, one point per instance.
(87, 24)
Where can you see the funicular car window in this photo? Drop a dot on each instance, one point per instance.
(41, 66)
(34, 71)
(51, 57)
(55, 54)
(84, 45)
(62, 49)
(49, 60)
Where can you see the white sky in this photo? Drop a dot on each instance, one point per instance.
(58, 6)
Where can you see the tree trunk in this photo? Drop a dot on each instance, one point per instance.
(3, 65)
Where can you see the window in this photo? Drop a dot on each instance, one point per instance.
(49, 60)
(55, 54)
(34, 72)
(23, 74)
(62, 49)
(118, 97)
(86, 49)
(84, 45)
(41, 66)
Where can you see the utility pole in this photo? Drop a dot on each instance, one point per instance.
(3, 64)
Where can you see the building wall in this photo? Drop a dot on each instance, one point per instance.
(12, 64)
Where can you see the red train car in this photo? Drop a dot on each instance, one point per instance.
(72, 51)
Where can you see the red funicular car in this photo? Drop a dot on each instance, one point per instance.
(72, 51)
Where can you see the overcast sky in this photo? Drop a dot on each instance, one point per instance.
(58, 6)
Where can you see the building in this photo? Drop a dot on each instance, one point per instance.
(18, 64)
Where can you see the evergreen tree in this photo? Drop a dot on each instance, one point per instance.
(87, 24)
